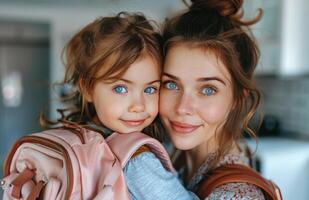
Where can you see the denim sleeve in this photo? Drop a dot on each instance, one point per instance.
(147, 179)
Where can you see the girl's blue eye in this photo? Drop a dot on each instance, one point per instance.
(170, 85)
(150, 90)
(120, 89)
(208, 91)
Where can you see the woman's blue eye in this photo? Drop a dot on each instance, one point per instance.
(208, 91)
(150, 90)
(171, 85)
(120, 89)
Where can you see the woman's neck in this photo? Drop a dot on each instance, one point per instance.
(196, 157)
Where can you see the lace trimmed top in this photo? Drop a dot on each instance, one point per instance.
(229, 191)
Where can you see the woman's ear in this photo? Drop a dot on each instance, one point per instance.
(86, 93)
(246, 93)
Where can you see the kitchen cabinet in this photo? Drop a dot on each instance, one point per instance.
(267, 33)
(295, 41)
(282, 36)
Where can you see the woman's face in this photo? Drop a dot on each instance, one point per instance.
(196, 96)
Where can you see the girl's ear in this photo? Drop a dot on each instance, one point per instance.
(85, 92)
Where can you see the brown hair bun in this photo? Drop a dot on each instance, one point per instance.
(224, 8)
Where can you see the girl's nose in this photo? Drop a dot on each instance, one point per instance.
(137, 108)
(138, 104)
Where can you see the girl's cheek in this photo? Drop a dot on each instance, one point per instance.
(153, 104)
(167, 100)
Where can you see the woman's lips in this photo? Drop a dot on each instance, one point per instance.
(183, 127)
(133, 122)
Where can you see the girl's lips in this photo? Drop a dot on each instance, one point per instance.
(133, 122)
(183, 127)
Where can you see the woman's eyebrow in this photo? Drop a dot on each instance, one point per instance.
(204, 79)
(170, 76)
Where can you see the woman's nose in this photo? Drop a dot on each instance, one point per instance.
(185, 105)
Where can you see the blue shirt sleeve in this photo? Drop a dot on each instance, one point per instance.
(147, 179)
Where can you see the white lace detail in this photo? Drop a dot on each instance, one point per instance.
(230, 191)
(236, 191)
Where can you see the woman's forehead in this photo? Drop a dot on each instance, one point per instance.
(186, 62)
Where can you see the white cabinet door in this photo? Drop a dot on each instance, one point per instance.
(267, 32)
(295, 41)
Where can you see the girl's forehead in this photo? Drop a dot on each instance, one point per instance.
(142, 71)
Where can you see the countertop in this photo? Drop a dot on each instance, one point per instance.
(286, 162)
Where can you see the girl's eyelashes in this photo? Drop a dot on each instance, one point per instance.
(208, 91)
(150, 90)
(120, 89)
(170, 85)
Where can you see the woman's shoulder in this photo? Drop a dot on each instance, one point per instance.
(236, 191)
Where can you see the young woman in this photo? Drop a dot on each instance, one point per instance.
(208, 95)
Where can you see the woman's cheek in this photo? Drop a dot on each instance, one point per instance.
(212, 112)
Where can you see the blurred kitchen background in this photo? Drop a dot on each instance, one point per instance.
(33, 33)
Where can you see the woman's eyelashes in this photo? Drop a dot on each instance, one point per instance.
(204, 90)
(208, 90)
(170, 85)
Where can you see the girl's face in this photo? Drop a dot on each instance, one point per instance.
(130, 103)
(195, 98)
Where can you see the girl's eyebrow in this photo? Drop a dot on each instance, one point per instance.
(131, 82)
(204, 79)
(125, 80)
(152, 82)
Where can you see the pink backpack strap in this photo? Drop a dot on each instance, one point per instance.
(125, 145)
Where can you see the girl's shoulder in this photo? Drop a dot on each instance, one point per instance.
(147, 179)
(144, 160)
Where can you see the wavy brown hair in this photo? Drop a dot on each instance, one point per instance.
(104, 50)
(217, 26)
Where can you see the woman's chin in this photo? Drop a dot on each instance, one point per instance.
(183, 145)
